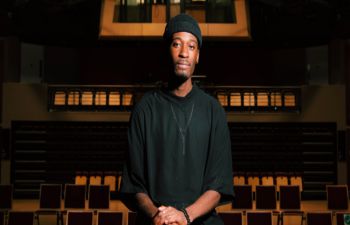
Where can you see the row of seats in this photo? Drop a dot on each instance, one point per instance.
(265, 218)
(277, 179)
(86, 217)
(289, 198)
(113, 179)
(265, 196)
(74, 196)
(50, 200)
(74, 217)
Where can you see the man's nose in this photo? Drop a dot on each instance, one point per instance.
(184, 51)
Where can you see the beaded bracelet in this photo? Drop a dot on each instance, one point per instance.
(155, 215)
(186, 216)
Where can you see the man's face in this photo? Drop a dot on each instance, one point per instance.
(184, 51)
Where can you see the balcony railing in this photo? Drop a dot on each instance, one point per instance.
(124, 97)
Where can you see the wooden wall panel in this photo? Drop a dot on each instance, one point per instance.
(223, 64)
(2, 71)
(347, 80)
(347, 152)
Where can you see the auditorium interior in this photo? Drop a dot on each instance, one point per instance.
(72, 70)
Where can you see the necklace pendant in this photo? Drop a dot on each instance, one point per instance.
(182, 130)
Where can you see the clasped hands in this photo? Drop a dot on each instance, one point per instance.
(168, 215)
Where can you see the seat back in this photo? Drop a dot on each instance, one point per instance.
(109, 218)
(95, 180)
(337, 197)
(50, 196)
(243, 197)
(2, 217)
(231, 217)
(20, 218)
(259, 218)
(297, 180)
(266, 197)
(238, 180)
(281, 180)
(342, 217)
(80, 178)
(132, 218)
(6, 196)
(74, 196)
(79, 218)
(111, 180)
(319, 218)
(267, 180)
(253, 180)
(290, 198)
(99, 196)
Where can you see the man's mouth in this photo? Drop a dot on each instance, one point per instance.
(182, 65)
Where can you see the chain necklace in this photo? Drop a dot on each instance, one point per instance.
(182, 130)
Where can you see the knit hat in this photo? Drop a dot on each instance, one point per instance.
(182, 23)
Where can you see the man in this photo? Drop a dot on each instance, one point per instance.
(179, 166)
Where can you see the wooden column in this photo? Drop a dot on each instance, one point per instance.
(347, 86)
(2, 71)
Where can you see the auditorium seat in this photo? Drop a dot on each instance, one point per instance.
(341, 217)
(2, 217)
(337, 197)
(132, 218)
(253, 180)
(111, 180)
(49, 201)
(243, 199)
(231, 217)
(99, 197)
(74, 196)
(6, 195)
(259, 218)
(238, 179)
(79, 217)
(319, 218)
(290, 202)
(95, 179)
(20, 218)
(81, 178)
(281, 179)
(266, 197)
(296, 179)
(109, 218)
(267, 179)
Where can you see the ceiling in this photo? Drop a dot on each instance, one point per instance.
(273, 22)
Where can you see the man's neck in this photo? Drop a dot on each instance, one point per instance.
(183, 89)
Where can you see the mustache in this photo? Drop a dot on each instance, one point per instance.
(183, 62)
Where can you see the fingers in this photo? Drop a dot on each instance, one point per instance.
(170, 215)
(161, 208)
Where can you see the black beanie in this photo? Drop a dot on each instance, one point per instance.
(182, 23)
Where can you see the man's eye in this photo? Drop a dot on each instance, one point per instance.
(192, 47)
(175, 44)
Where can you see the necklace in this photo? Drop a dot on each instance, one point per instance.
(182, 130)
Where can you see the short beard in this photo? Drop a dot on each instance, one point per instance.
(177, 79)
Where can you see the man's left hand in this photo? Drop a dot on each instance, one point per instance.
(172, 216)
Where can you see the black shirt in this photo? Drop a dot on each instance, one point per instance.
(179, 147)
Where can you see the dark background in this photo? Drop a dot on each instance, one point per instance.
(280, 31)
